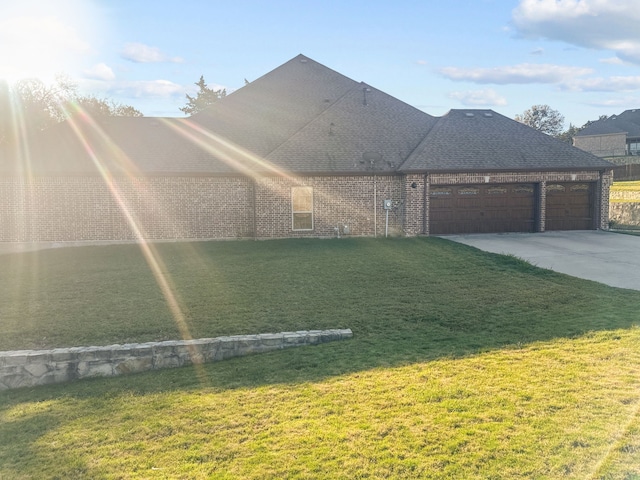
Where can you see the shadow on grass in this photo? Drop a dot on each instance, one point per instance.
(406, 301)
(512, 305)
(417, 339)
(27, 416)
(440, 300)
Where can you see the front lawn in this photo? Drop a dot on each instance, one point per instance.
(463, 364)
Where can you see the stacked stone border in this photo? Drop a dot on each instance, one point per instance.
(29, 368)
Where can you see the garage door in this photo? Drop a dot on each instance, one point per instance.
(482, 208)
(570, 206)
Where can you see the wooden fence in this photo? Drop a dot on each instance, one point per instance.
(624, 173)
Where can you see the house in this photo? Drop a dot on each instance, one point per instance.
(613, 136)
(301, 152)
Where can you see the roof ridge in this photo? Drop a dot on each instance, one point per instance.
(420, 147)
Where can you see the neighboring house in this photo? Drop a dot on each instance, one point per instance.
(301, 152)
(615, 136)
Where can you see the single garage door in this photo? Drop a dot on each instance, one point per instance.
(482, 208)
(570, 206)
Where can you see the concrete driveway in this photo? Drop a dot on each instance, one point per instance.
(609, 258)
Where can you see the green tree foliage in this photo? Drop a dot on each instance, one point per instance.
(544, 119)
(30, 105)
(567, 135)
(205, 97)
(5, 109)
(102, 107)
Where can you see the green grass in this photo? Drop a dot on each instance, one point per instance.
(625, 187)
(463, 364)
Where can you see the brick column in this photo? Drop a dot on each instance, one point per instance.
(414, 211)
(542, 206)
(604, 191)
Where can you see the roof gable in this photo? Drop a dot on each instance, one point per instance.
(264, 113)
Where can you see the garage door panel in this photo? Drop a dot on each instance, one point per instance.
(570, 206)
(482, 208)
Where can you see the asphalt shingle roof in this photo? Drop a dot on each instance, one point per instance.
(115, 144)
(365, 130)
(628, 122)
(483, 140)
(301, 117)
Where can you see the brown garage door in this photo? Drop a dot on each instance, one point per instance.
(569, 206)
(482, 208)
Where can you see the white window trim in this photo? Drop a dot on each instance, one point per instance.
(293, 212)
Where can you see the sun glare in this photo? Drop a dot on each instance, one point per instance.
(40, 39)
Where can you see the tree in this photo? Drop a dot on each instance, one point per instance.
(543, 118)
(39, 104)
(205, 97)
(31, 106)
(101, 107)
(567, 135)
(5, 112)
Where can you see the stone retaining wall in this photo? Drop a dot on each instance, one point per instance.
(627, 213)
(28, 368)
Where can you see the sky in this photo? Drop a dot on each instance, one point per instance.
(581, 57)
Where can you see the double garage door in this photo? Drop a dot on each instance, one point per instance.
(491, 208)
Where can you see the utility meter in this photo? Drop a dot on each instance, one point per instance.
(387, 204)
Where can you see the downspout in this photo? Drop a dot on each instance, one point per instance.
(375, 207)
(426, 217)
(255, 222)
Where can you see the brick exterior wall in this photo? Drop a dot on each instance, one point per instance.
(338, 201)
(542, 207)
(415, 195)
(603, 145)
(604, 193)
(86, 208)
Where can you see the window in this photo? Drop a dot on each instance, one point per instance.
(634, 147)
(302, 208)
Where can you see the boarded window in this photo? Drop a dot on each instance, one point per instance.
(302, 208)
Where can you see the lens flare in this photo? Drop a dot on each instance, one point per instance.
(148, 249)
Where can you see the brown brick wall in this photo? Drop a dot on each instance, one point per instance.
(86, 208)
(512, 177)
(415, 204)
(337, 201)
(604, 193)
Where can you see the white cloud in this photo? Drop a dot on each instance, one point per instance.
(422, 62)
(479, 98)
(100, 71)
(141, 53)
(516, 74)
(148, 88)
(611, 61)
(597, 24)
(537, 51)
(599, 84)
(622, 103)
